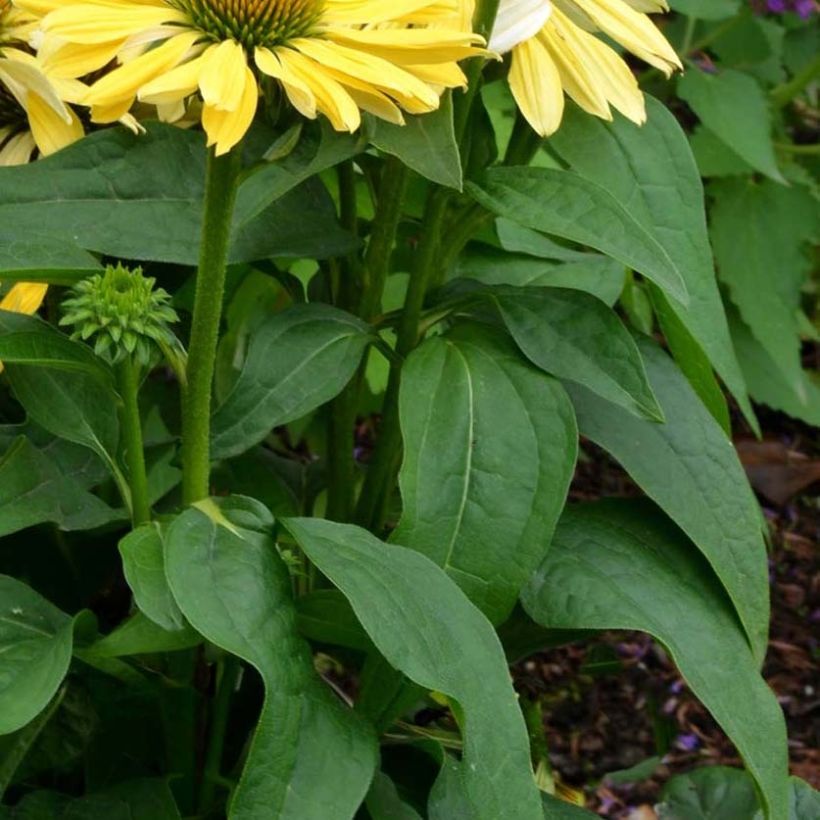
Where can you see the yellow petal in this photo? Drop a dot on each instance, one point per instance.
(221, 80)
(226, 128)
(536, 86)
(50, 131)
(17, 150)
(24, 297)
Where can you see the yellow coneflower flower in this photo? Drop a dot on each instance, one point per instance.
(331, 57)
(555, 50)
(33, 114)
(33, 117)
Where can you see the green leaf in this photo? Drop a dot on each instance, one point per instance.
(574, 336)
(767, 382)
(425, 627)
(30, 340)
(710, 793)
(760, 232)
(319, 147)
(557, 809)
(310, 757)
(139, 635)
(732, 106)
(651, 168)
(692, 360)
(132, 800)
(325, 616)
(36, 640)
(16, 747)
(32, 257)
(590, 272)
(425, 143)
(706, 9)
(143, 562)
(490, 447)
(714, 157)
(623, 565)
(71, 405)
(383, 801)
(567, 205)
(297, 361)
(153, 211)
(690, 468)
(51, 484)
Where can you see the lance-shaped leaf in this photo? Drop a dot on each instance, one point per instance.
(623, 565)
(490, 445)
(574, 336)
(652, 169)
(297, 361)
(311, 757)
(36, 640)
(566, 204)
(690, 468)
(425, 627)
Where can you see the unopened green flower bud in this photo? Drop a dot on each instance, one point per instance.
(123, 314)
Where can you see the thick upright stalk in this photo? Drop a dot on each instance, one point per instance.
(220, 196)
(128, 383)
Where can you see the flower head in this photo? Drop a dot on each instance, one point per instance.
(555, 50)
(123, 313)
(33, 114)
(330, 57)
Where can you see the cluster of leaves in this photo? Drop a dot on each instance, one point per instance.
(207, 659)
(755, 142)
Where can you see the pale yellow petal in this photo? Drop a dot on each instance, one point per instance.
(50, 131)
(536, 85)
(226, 128)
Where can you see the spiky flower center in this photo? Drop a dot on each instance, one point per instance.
(252, 23)
(123, 313)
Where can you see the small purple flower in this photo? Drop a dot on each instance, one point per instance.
(688, 742)
(804, 8)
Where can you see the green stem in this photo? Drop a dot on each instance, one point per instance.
(784, 94)
(222, 178)
(128, 378)
(383, 236)
(689, 35)
(229, 670)
(483, 22)
(381, 475)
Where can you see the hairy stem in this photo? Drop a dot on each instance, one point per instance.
(220, 196)
(128, 378)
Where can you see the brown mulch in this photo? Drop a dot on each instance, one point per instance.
(616, 701)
